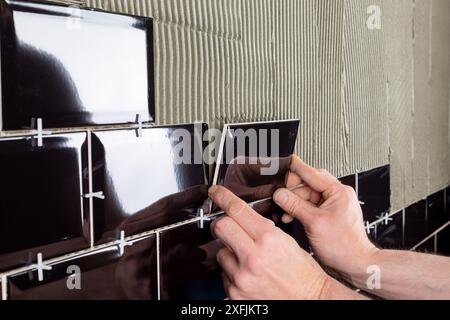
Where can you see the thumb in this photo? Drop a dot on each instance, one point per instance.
(295, 206)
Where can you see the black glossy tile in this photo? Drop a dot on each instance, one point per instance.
(415, 224)
(145, 185)
(104, 275)
(389, 233)
(443, 242)
(374, 192)
(71, 71)
(188, 264)
(349, 181)
(255, 158)
(427, 247)
(436, 216)
(447, 204)
(41, 198)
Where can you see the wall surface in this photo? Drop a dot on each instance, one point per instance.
(365, 97)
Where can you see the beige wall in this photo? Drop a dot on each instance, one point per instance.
(365, 98)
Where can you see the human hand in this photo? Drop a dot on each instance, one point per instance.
(332, 217)
(259, 260)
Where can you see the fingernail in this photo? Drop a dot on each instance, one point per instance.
(212, 190)
(281, 197)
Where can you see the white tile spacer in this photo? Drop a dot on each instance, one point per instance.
(386, 218)
(369, 227)
(122, 244)
(139, 125)
(40, 267)
(98, 195)
(201, 215)
(362, 203)
(39, 132)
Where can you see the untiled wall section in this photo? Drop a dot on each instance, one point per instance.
(365, 97)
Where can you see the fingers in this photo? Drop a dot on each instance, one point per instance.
(228, 262)
(309, 194)
(232, 235)
(318, 180)
(294, 205)
(250, 221)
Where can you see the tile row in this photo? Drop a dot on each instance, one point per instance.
(186, 269)
(82, 189)
(409, 227)
(74, 66)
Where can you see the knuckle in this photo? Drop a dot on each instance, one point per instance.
(241, 280)
(221, 255)
(255, 263)
(236, 207)
(222, 225)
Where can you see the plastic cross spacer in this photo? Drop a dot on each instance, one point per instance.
(369, 227)
(122, 244)
(41, 267)
(98, 195)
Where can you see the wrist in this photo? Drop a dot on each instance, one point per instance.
(334, 290)
(360, 272)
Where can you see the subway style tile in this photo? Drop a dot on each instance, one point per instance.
(255, 158)
(51, 70)
(104, 275)
(415, 224)
(436, 217)
(374, 192)
(389, 233)
(443, 242)
(145, 183)
(41, 205)
(447, 204)
(427, 247)
(188, 264)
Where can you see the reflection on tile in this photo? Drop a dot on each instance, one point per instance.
(51, 70)
(435, 212)
(41, 198)
(427, 247)
(349, 181)
(415, 224)
(256, 157)
(443, 242)
(103, 275)
(374, 192)
(390, 235)
(146, 183)
(188, 264)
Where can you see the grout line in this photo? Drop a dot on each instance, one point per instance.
(91, 199)
(4, 288)
(357, 184)
(431, 236)
(435, 244)
(158, 265)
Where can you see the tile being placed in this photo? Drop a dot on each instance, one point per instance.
(145, 182)
(415, 224)
(436, 217)
(71, 71)
(389, 233)
(188, 264)
(41, 203)
(103, 275)
(254, 158)
(374, 192)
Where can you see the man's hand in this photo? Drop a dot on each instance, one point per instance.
(332, 217)
(262, 262)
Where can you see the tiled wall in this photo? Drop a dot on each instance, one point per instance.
(424, 226)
